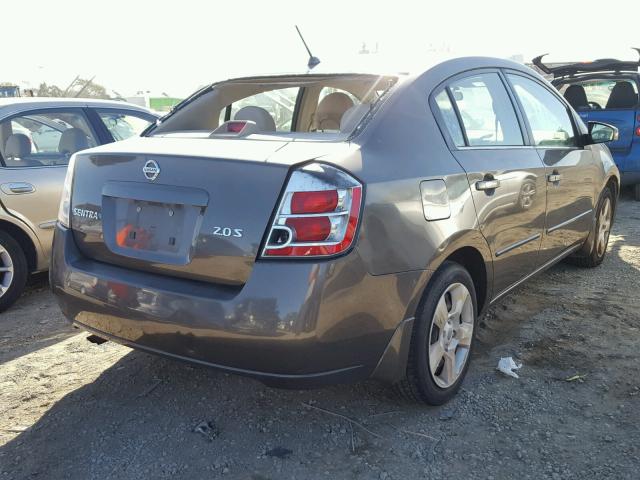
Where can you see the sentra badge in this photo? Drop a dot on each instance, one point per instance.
(86, 213)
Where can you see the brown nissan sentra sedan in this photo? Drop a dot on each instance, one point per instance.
(318, 228)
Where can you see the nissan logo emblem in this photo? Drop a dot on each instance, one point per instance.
(151, 170)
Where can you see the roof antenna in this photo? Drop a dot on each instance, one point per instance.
(313, 61)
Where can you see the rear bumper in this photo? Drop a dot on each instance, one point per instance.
(293, 324)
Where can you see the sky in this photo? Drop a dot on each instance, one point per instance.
(174, 47)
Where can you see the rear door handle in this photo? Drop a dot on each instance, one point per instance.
(554, 178)
(17, 188)
(487, 184)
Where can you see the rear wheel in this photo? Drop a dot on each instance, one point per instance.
(636, 192)
(13, 271)
(442, 338)
(604, 221)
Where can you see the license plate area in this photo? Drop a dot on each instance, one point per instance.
(138, 224)
(150, 226)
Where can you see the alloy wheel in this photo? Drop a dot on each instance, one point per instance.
(450, 335)
(604, 226)
(6, 270)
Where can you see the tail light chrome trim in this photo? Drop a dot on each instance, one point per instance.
(316, 178)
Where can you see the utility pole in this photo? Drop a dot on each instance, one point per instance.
(84, 86)
(66, 90)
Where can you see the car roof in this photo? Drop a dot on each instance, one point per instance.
(406, 71)
(10, 106)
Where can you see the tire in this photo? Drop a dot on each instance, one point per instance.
(13, 271)
(636, 192)
(428, 378)
(602, 231)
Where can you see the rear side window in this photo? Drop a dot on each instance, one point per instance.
(450, 118)
(548, 117)
(486, 111)
(123, 125)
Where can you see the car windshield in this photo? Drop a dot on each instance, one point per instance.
(319, 106)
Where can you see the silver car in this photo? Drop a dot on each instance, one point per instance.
(330, 227)
(37, 138)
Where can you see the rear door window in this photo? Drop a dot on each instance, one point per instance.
(123, 125)
(548, 117)
(486, 111)
(44, 138)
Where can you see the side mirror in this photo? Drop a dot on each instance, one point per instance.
(602, 133)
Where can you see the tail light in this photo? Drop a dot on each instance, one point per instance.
(318, 214)
(64, 210)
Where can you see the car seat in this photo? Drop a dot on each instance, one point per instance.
(16, 151)
(577, 97)
(330, 111)
(72, 140)
(622, 95)
(263, 119)
(352, 117)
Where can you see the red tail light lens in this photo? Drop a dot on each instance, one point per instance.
(314, 202)
(310, 229)
(638, 132)
(318, 214)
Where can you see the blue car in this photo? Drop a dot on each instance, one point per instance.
(606, 91)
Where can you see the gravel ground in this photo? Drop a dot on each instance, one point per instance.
(72, 409)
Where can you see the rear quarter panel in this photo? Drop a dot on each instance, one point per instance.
(401, 147)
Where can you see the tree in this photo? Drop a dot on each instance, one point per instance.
(88, 89)
(45, 90)
(79, 87)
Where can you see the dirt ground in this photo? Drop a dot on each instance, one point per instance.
(72, 409)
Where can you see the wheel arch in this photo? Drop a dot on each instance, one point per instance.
(27, 243)
(470, 250)
(613, 183)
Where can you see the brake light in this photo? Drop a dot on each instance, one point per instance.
(314, 202)
(638, 132)
(318, 214)
(235, 126)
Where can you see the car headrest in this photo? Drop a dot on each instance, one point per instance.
(72, 141)
(264, 120)
(352, 117)
(330, 111)
(576, 97)
(622, 96)
(18, 147)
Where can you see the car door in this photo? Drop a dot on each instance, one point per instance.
(34, 156)
(570, 167)
(506, 176)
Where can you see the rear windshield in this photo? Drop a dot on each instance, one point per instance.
(601, 93)
(320, 107)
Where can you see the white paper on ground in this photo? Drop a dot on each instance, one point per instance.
(507, 366)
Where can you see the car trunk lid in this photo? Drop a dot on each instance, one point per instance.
(191, 208)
